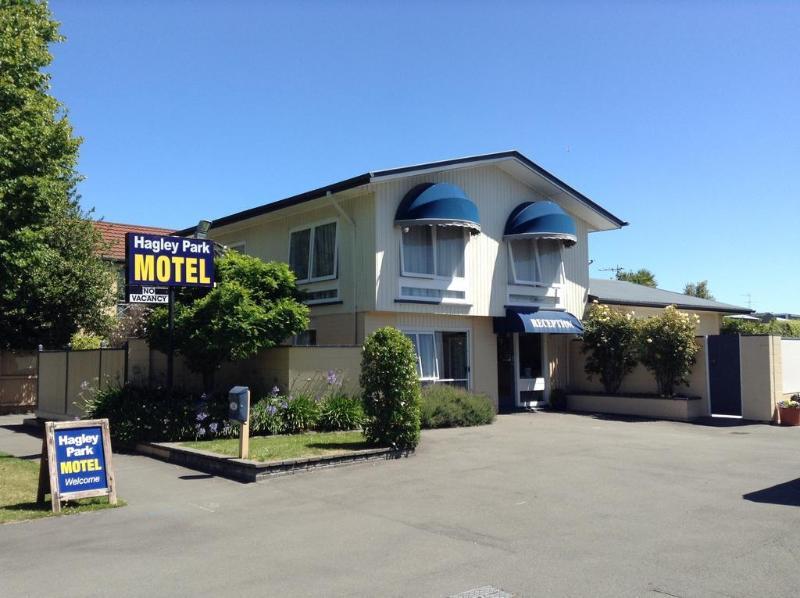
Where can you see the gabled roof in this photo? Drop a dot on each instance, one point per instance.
(113, 234)
(511, 160)
(620, 292)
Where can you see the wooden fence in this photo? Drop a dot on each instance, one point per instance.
(18, 374)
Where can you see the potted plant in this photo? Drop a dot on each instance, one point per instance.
(790, 411)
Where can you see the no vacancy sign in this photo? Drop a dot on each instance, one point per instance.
(76, 462)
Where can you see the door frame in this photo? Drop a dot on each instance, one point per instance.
(545, 371)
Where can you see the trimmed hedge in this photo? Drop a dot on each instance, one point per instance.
(445, 406)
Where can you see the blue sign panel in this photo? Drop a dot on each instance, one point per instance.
(160, 261)
(80, 461)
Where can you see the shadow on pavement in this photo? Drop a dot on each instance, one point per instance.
(787, 494)
(34, 431)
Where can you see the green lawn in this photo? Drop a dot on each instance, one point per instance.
(19, 479)
(295, 446)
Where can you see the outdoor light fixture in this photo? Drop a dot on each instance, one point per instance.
(201, 232)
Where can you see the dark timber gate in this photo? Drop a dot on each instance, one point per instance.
(724, 374)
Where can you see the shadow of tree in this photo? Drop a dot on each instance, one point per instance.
(787, 494)
(334, 446)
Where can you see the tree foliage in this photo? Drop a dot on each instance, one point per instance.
(668, 349)
(610, 341)
(52, 281)
(391, 389)
(254, 306)
(698, 289)
(641, 276)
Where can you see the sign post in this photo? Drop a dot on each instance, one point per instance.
(156, 264)
(76, 462)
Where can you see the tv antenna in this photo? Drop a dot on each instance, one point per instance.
(617, 270)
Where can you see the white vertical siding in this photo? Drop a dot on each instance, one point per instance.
(496, 194)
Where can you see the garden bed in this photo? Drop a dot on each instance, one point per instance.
(272, 455)
(672, 408)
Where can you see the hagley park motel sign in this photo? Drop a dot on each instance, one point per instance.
(157, 263)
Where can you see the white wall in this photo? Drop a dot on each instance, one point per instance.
(790, 355)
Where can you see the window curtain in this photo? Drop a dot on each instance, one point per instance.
(427, 355)
(525, 260)
(325, 250)
(418, 249)
(550, 260)
(450, 247)
(299, 252)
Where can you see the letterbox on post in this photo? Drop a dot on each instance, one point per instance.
(239, 410)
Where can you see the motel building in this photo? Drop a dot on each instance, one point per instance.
(482, 261)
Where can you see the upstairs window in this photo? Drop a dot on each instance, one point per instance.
(433, 251)
(535, 261)
(312, 252)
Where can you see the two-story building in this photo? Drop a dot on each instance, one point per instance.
(482, 261)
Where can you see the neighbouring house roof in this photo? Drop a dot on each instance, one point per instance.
(114, 236)
(620, 292)
(512, 161)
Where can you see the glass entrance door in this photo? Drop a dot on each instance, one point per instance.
(530, 370)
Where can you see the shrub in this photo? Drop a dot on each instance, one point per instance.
(667, 348)
(301, 413)
(391, 389)
(82, 341)
(142, 414)
(610, 339)
(445, 406)
(266, 416)
(341, 412)
(558, 400)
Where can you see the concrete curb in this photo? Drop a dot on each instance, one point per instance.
(245, 470)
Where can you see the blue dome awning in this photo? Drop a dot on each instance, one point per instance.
(438, 203)
(541, 220)
(538, 320)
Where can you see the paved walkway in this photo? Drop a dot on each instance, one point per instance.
(535, 505)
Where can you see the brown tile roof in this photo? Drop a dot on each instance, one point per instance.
(114, 235)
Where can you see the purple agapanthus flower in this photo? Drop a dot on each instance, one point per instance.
(213, 427)
(272, 409)
(275, 391)
(201, 431)
(331, 377)
(201, 415)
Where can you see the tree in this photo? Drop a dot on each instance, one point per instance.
(610, 342)
(255, 305)
(641, 276)
(391, 389)
(52, 280)
(699, 289)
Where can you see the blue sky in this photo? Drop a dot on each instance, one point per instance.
(682, 118)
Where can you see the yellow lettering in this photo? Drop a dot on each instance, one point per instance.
(191, 269)
(204, 279)
(66, 466)
(144, 266)
(177, 261)
(163, 268)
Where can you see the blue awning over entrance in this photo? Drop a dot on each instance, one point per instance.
(438, 203)
(541, 220)
(541, 321)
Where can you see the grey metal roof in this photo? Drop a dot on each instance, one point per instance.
(620, 292)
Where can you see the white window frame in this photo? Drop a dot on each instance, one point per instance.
(437, 366)
(535, 283)
(311, 240)
(434, 237)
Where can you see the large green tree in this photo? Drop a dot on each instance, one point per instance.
(699, 289)
(52, 281)
(641, 276)
(255, 305)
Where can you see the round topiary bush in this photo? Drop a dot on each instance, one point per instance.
(391, 389)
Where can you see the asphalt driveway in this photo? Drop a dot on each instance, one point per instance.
(536, 505)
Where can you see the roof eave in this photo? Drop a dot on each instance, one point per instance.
(723, 310)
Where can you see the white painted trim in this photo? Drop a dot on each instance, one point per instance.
(708, 375)
(311, 226)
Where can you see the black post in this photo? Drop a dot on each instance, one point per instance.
(170, 348)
